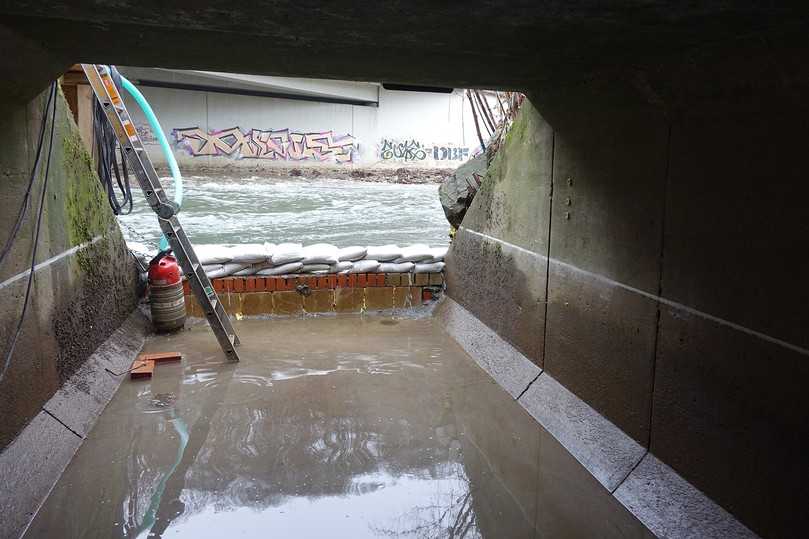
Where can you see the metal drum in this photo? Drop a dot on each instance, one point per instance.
(166, 294)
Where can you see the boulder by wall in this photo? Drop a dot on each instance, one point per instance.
(457, 190)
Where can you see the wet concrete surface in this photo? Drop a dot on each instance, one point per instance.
(340, 426)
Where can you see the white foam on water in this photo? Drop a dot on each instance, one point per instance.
(224, 209)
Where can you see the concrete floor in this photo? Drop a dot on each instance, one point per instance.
(345, 426)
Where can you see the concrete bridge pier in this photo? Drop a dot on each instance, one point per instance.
(646, 242)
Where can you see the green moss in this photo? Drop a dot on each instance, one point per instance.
(520, 126)
(88, 259)
(88, 214)
(497, 168)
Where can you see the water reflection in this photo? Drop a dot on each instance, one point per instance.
(391, 433)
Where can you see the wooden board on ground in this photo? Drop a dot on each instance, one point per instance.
(160, 357)
(142, 369)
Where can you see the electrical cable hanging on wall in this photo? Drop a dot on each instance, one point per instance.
(49, 107)
(23, 211)
(106, 145)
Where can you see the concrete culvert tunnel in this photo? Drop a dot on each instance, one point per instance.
(622, 344)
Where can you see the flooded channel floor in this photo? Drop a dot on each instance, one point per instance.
(350, 426)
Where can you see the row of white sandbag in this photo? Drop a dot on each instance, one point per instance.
(360, 266)
(320, 253)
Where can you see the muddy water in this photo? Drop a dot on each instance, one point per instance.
(329, 427)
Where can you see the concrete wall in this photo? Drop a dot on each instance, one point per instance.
(654, 268)
(414, 129)
(84, 286)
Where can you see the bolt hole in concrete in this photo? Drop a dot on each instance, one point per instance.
(343, 426)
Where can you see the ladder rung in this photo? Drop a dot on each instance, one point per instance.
(155, 194)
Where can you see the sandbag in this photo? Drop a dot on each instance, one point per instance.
(215, 274)
(383, 253)
(212, 254)
(390, 267)
(319, 253)
(211, 267)
(248, 253)
(227, 269)
(287, 253)
(435, 267)
(341, 267)
(312, 268)
(233, 267)
(269, 248)
(364, 266)
(252, 269)
(249, 270)
(414, 253)
(438, 254)
(351, 253)
(284, 269)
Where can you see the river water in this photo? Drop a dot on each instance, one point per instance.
(241, 209)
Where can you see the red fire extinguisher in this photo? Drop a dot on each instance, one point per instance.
(166, 293)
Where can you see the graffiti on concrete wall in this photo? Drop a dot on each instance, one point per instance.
(450, 153)
(412, 150)
(145, 133)
(408, 150)
(281, 145)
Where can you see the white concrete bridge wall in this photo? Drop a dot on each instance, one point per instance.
(412, 129)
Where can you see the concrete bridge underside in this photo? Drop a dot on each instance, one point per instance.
(648, 222)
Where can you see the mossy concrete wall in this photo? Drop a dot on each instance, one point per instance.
(652, 268)
(86, 287)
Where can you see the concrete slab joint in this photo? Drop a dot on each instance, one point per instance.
(671, 507)
(661, 499)
(512, 370)
(35, 460)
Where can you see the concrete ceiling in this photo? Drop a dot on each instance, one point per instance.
(511, 45)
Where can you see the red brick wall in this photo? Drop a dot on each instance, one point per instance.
(289, 295)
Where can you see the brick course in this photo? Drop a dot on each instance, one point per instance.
(354, 292)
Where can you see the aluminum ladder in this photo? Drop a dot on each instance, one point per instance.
(100, 79)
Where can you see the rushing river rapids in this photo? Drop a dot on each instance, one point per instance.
(228, 209)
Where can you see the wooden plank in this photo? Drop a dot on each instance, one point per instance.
(142, 369)
(161, 357)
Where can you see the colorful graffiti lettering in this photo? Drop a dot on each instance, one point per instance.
(412, 150)
(145, 134)
(282, 145)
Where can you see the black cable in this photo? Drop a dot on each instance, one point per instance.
(27, 198)
(106, 144)
(138, 261)
(130, 369)
(51, 101)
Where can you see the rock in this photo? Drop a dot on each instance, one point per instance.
(458, 189)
